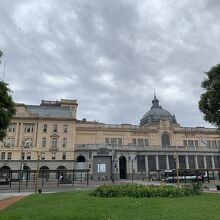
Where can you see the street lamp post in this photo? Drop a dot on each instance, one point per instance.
(99, 170)
(113, 164)
(21, 167)
(132, 169)
(177, 168)
(37, 173)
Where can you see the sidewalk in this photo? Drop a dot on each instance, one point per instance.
(8, 195)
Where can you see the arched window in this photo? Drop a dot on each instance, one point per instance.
(165, 139)
(61, 168)
(5, 172)
(5, 168)
(26, 172)
(80, 159)
(61, 172)
(44, 168)
(80, 164)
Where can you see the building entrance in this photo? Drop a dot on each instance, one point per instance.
(122, 167)
(102, 167)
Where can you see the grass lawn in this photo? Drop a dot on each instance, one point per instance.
(80, 205)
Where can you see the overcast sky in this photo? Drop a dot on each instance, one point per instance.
(110, 55)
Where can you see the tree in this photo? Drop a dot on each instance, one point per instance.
(1, 54)
(209, 103)
(7, 107)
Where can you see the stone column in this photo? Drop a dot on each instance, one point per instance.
(20, 131)
(157, 162)
(213, 162)
(187, 161)
(204, 161)
(167, 162)
(21, 134)
(146, 166)
(196, 162)
(135, 165)
(35, 132)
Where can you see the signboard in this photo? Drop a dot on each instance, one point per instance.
(101, 168)
(103, 151)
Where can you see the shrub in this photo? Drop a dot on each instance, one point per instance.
(143, 191)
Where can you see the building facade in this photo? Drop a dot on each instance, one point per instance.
(51, 132)
(46, 131)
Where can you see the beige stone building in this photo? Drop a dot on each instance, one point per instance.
(47, 131)
(52, 132)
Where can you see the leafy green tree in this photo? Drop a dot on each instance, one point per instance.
(209, 103)
(7, 107)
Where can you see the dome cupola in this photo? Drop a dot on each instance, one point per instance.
(156, 113)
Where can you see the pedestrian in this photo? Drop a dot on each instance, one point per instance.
(61, 178)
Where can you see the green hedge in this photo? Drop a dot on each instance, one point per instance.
(143, 191)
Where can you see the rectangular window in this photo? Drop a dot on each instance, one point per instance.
(55, 128)
(196, 143)
(27, 142)
(214, 144)
(44, 142)
(64, 142)
(28, 128)
(219, 143)
(185, 143)
(8, 142)
(114, 141)
(64, 156)
(54, 143)
(190, 143)
(9, 155)
(134, 142)
(45, 128)
(3, 156)
(11, 128)
(28, 155)
(141, 163)
(146, 142)
(140, 142)
(120, 141)
(53, 156)
(208, 143)
(65, 128)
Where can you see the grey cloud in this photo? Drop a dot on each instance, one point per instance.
(110, 55)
